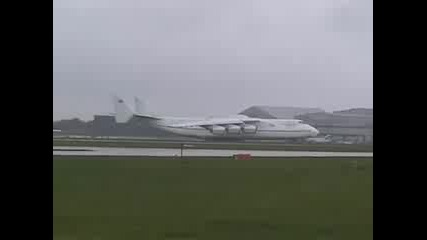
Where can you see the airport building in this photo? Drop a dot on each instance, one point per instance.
(353, 125)
(106, 125)
(267, 112)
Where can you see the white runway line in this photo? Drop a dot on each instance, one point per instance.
(165, 152)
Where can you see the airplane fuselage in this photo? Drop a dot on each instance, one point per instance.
(262, 129)
(232, 127)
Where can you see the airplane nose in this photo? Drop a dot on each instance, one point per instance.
(315, 131)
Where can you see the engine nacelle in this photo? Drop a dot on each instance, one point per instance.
(233, 129)
(249, 129)
(218, 130)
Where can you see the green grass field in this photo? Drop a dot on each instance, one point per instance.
(157, 198)
(261, 146)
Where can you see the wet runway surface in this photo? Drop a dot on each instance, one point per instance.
(163, 152)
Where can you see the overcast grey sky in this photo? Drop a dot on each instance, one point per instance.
(211, 57)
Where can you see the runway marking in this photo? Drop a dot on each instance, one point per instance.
(164, 152)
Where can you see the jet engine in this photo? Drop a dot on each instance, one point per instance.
(218, 130)
(249, 129)
(233, 129)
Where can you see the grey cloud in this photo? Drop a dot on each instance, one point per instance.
(211, 57)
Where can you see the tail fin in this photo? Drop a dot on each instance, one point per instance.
(139, 106)
(122, 112)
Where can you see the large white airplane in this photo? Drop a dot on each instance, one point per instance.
(239, 127)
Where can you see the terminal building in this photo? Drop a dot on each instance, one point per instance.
(353, 125)
(106, 125)
(268, 112)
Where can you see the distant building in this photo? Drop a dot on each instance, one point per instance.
(352, 124)
(105, 125)
(357, 111)
(71, 126)
(278, 112)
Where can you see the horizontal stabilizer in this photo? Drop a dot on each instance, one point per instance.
(146, 116)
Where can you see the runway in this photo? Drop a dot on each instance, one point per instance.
(165, 152)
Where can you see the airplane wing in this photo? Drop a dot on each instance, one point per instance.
(211, 122)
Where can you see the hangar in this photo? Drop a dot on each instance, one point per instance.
(354, 125)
